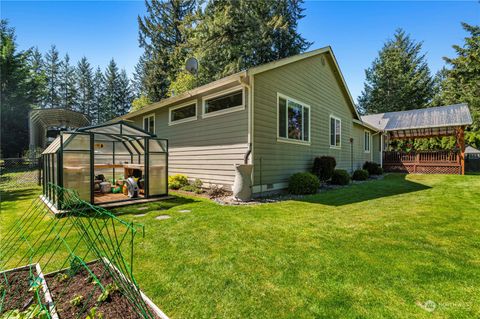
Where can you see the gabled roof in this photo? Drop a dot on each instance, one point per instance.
(432, 117)
(471, 150)
(237, 77)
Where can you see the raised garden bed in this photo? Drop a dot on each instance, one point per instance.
(74, 292)
(24, 294)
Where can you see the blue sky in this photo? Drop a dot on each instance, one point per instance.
(356, 30)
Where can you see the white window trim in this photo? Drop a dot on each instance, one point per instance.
(291, 140)
(330, 132)
(369, 141)
(225, 111)
(154, 122)
(188, 119)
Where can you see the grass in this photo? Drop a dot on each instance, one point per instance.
(401, 247)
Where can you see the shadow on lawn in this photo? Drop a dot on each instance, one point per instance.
(144, 208)
(392, 184)
(18, 194)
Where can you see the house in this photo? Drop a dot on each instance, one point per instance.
(278, 116)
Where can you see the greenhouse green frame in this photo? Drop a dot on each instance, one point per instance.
(74, 160)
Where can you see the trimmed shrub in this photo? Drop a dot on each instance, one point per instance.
(177, 181)
(373, 168)
(340, 177)
(303, 183)
(323, 167)
(360, 175)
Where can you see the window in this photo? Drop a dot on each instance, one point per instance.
(183, 113)
(366, 141)
(293, 120)
(225, 102)
(335, 132)
(149, 123)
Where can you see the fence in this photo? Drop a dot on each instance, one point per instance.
(425, 162)
(19, 173)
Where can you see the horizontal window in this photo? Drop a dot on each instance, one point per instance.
(183, 113)
(224, 102)
(293, 120)
(335, 132)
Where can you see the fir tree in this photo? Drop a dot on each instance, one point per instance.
(460, 81)
(85, 89)
(399, 78)
(52, 73)
(98, 97)
(68, 92)
(138, 83)
(161, 35)
(18, 93)
(233, 35)
(125, 94)
(111, 98)
(37, 69)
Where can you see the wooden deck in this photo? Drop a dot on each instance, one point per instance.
(110, 197)
(424, 162)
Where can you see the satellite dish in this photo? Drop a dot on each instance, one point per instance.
(192, 66)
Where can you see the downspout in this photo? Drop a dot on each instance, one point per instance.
(249, 88)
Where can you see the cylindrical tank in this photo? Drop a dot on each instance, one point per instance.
(242, 185)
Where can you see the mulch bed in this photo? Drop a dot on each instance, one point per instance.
(65, 290)
(16, 287)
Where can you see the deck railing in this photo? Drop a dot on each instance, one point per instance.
(440, 161)
(442, 156)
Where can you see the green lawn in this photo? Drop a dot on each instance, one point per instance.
(382, 249)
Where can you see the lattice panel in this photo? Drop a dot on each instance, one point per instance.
(422, 169)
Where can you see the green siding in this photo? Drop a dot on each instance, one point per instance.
(206, 148)
(316, 84)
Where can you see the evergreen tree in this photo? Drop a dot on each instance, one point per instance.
(18, 92)
(138, 83)
(52, 72)
(460, 82)
(161, 35)
(125, 94)
(37, 69)
(233, 35)
(399, 78)
(98, 97)
(111, 100)
(68, 92)
(84, 87)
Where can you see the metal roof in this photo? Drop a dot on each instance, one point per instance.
(432, 117)
(471, 150)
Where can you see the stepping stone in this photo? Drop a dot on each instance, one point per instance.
(185, 211)
(139, 215)
(162, 217)
(142, 208)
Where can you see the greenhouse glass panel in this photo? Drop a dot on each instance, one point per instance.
(76, 172)
(157, 174)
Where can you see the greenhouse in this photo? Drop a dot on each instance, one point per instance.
(110, 163)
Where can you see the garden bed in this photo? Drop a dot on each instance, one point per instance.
(20, 291)
(73, 292)
(78, 294)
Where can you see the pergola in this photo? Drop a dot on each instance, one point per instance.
(439, 121)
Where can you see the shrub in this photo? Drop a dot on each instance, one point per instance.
(216, 191)
(360, 175)
(177, 181)
(340, 177)
(303, 183)
(373, 168)
(323, 167)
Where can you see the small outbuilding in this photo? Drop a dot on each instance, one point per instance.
(110, 163)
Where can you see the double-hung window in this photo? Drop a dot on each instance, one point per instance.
(335, 132)
(183, 113)
(366, 141)
(293, 120)
(149, 123)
